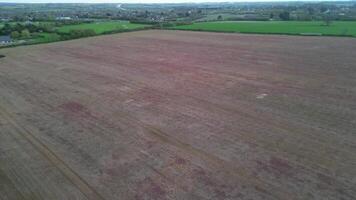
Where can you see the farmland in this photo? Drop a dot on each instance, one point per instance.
(337, 28)
(102, 27)
(46, 32)
(45, 38)
(163, 114)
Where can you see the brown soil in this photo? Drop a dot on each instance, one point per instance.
(179, 115)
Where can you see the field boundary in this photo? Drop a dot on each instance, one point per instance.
(264, 33)
(102, 34)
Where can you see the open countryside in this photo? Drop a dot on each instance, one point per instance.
(102, 27)
(276, 27)
(138, 115)
(46, 32)
(179, 101)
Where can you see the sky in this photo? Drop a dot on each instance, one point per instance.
(130, 1)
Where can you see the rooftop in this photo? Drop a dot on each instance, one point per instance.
(5, 38)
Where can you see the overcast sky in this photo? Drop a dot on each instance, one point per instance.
(128, 1)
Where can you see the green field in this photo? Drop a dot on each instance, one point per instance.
(45, 38)
(276, 27)
(101, 27)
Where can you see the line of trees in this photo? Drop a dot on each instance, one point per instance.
(21, 30)
(25, 29)
(77, 33)
(24, 34)
(19, 27)
(284, 16)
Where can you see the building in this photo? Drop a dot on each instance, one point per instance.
(4, 19)
(63, 18)
(5, 40)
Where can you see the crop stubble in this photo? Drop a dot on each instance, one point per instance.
(179, 115)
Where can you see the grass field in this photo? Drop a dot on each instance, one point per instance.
(276, 27)
(45, 38)
(166, 115)
(101, 27)
(98, 27)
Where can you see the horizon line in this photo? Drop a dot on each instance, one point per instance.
(188, 2)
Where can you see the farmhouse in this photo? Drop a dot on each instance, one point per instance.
(5, 40)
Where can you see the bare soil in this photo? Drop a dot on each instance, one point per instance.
(179, 115)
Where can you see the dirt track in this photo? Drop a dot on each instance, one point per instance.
(179, 115)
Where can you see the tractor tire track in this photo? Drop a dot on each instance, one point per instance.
(71, 175)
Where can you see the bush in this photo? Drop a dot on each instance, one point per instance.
(284, 16)
(81, 33)
(15, 34)
(143, 22)
(25, 34)
(172, 24)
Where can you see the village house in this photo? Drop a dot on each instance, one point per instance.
(5, 40)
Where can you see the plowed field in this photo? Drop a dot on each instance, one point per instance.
(179, 115)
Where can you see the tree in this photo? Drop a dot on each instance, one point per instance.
(15, 34)
(220, 17)
(311, 11)
(88, 32)
(271, 16)
(31, 28)
(17, 27)
(76, 33)
(327, 19)
(6, 29)
(284, 16)
(323, 9)
(46, 27)
(25, 33)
